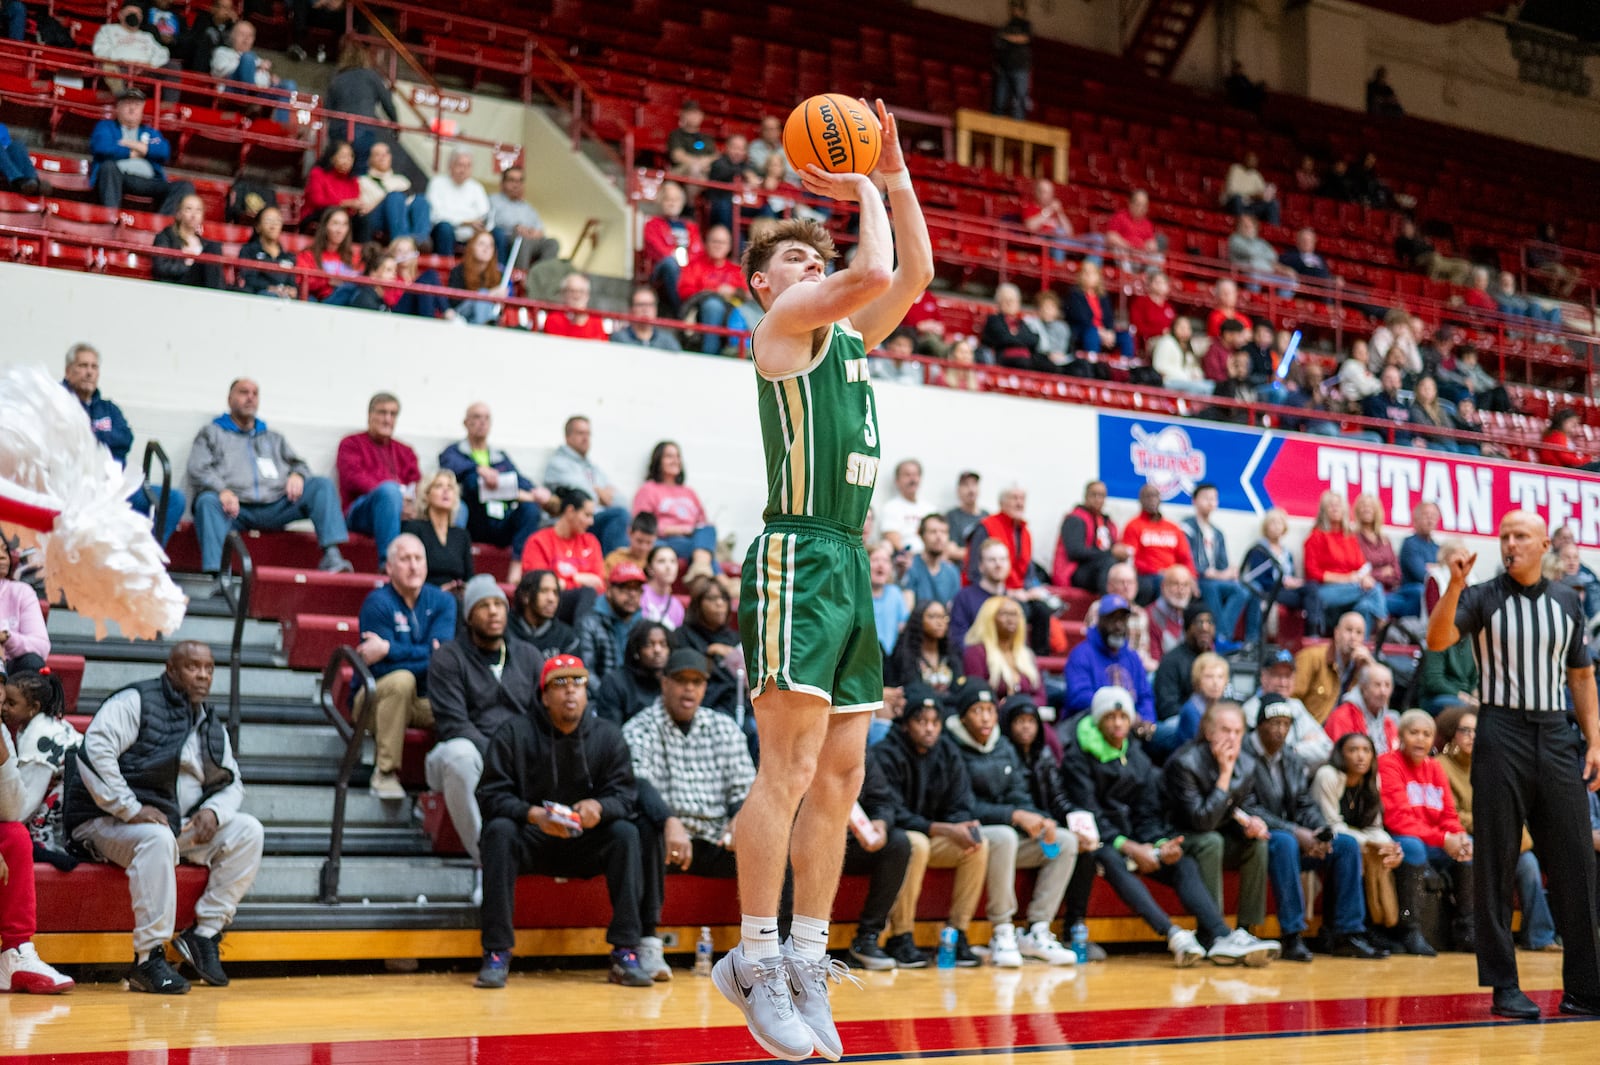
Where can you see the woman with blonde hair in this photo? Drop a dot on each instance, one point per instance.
(997, 650)
(1338, 568)
(1379, 553)
(446, 546)
(1269, 566)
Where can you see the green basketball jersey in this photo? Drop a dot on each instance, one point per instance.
(819, 432)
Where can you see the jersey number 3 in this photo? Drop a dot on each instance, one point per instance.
(870, 430)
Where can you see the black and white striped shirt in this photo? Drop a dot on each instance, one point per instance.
(1525, 639)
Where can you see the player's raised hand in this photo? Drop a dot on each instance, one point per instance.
(890, 158)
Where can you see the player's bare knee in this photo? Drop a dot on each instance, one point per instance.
(788, 773)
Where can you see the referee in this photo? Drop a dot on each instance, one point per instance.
(1529, 765)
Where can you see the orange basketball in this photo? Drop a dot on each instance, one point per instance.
(835, 132)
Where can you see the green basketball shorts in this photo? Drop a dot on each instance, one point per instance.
(805, 615)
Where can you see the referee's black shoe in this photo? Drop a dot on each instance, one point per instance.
(1578, 1007)
(1511, 1002)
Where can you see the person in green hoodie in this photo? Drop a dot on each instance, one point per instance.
(1106, 772)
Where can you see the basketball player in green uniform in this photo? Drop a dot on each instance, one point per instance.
(805, 609)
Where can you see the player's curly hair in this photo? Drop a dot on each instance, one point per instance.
(758, 253)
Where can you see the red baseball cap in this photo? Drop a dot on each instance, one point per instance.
(626, 573)
(561, 666)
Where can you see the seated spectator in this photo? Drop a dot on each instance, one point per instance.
(1307, 739)
(476, 682)
(634, 683)
(16, 168)
(1420, 812)
(332, 182)
(1092, 316)
(1413, 251)
(1174, 679)
(769, 144)
(184, 234)
(1174, 358)
(1395, 343)
(378, 292)
(1382, 102)
(387, 205)
(1158, 544)
(965, 516)
(1055, 334)
(1478, 295)
(457, 203)
(1226, 292)
(1457, 734)
(1106, 773)
(1236, 382)
(1302, 841)
(1387, 404)
(641, 541)
(1088, 545)
(645, 334)
(1544, 262)
(243, 475)
(694, 773)
(924, 654)
(732, 167)
(568, 547)
(1428, 410)
(477, 271)
(933, 801)
(1123, 581)
(209, 31)
(35, 741)
(1264, 357)
(533, 615)
(402, 622)
(502, 505)
(1369, 188)
(126, 41)
(603, 632)
(1448, 679)
(1209, 785)
(1218, 578)
(128, 154)
(1023, 581)
(1558, 449)
(267, 248)
(671, 240)
(1245, 192)
(1515, 304)
(657, 603)
(712, 286)
(1307, 389)
(1014, 343)
(1268, 574)
(1324, 672)
(136, 800)
(511, 216)
(446, 546)
(1581, 579)
(931, 575)
(996, 653)
(1379, 555)
(1046, 218)
(574, 319)
(82, 379)
(925, 321)
(1132, 237)
(1241, 92)
(681, 520)
(889, 605)
(1104, 659)
(1306, 262)
(24, 640)
(902, 515)
(1306, 177)
(689, 149)
(409, 274)
(332, 252)
(378, 475)
(1249, 251)
(1207, 682)
(1365, 709)
(1338, 567)
(708, 627)
(1178, 590)
(1472, 382)
(559, 753)
(237, 61)
(1020, 835)
(1151, 314)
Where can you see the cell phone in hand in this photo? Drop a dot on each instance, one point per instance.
(1325, 834)
(976, 836)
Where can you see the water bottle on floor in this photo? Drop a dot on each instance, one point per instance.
(947, 948)
(1080, 940)
(702, 953)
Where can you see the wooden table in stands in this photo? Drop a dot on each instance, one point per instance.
(1028, 134)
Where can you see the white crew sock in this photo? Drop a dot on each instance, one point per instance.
(759, 937)
(809, 936)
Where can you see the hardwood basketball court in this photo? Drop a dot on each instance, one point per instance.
(1133, 1009)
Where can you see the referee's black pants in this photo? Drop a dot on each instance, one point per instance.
(1527, 767)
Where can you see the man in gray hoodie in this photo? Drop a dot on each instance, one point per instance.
(243, 475)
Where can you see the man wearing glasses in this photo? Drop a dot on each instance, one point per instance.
(558, 799)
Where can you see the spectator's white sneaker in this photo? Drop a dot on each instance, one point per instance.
(808, 981)
(762, 991)
(1239, 948)
(1040, 943)
(1003, 952)
(387, 786)
(653, 959)
(21, 969)
(1186, 949)
(476, 898)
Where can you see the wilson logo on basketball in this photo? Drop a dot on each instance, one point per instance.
(832, 135)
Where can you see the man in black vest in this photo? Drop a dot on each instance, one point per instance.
(156, 781)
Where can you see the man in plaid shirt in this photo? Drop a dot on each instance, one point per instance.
(693, 770)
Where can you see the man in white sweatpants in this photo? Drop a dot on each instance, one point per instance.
(156, 783)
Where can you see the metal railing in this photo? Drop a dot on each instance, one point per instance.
(361, 693)
(237, 597)
(160, 498)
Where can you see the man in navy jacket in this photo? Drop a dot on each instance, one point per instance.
(1106, 660)
(503, 519)
(128, 156)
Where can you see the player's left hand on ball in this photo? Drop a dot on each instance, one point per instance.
(850, 187)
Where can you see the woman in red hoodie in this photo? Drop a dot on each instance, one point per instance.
(1558, 449)
(1420, 813)
(332, 182)
(1336, 564)
(332, 252)
(713, 286)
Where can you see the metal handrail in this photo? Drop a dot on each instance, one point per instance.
(238, 600)
(160, 499)
(354, 733)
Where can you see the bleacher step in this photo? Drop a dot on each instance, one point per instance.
(254, 681)
(258, 741)
(296, 878)
(313, 916)
(154, 653)
(216, 631)
(358, 841)
(312, 805)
